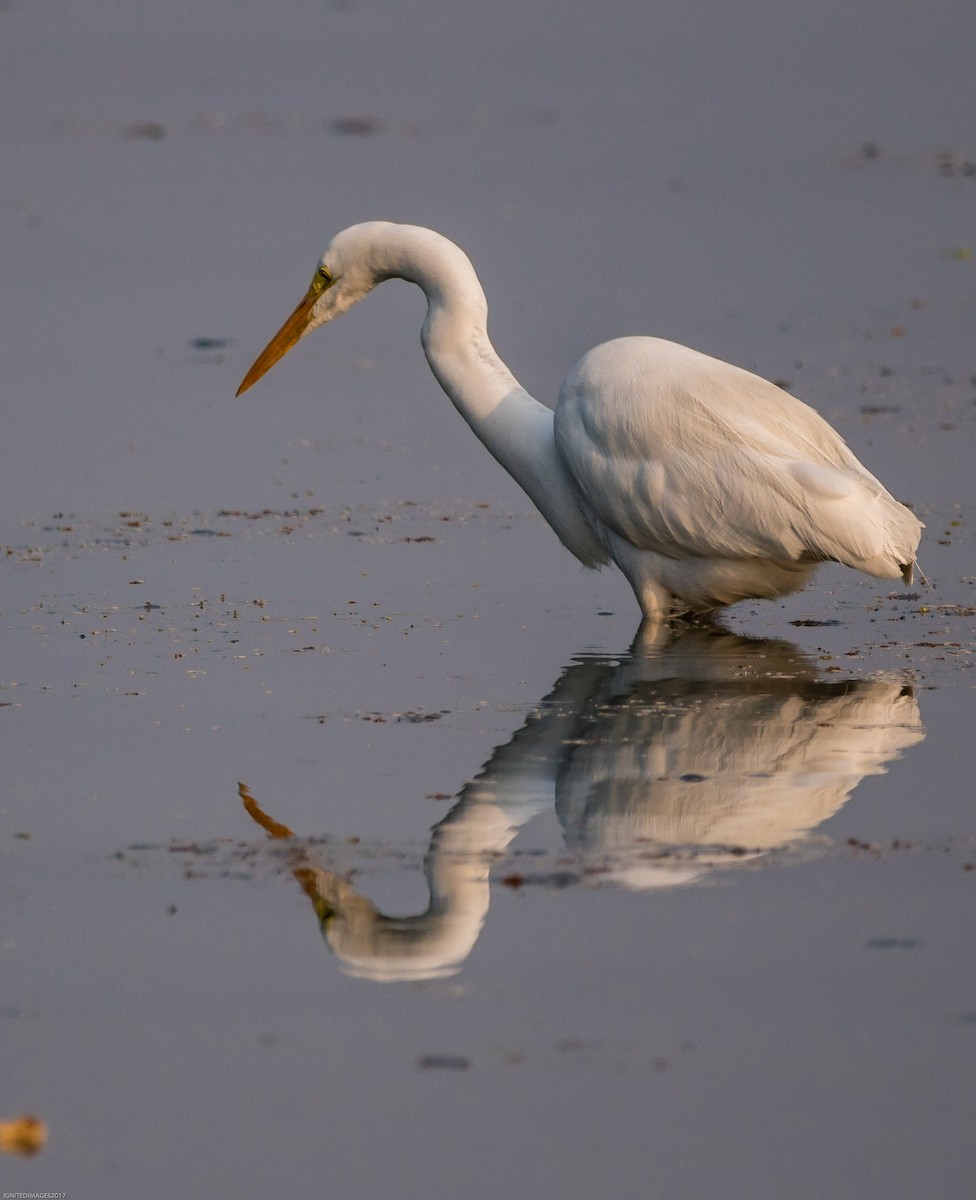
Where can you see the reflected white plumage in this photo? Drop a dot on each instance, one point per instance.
(704, 483)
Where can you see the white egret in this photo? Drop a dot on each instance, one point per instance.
(704, 483)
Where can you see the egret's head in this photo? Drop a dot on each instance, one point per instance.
(346, 272)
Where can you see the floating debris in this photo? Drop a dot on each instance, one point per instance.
(24, 1135)
(409, 717)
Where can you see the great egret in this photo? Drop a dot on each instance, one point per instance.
(704, 483)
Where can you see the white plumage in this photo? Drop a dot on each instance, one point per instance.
(704, 483)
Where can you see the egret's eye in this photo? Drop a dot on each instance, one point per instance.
(323, 277)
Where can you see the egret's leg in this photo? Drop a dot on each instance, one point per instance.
(655, 600)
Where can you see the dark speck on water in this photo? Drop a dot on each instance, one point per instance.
(444, 1062)
(356, 126)
(153, 131)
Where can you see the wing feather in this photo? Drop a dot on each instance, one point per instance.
(686, 455)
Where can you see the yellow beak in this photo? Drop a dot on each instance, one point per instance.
(285, 338)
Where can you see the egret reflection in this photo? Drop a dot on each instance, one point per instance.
(661, 765)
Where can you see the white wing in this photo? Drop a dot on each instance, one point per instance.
(686, 455)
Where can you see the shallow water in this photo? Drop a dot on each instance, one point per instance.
(541, 910)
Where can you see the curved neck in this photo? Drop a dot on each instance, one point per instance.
(515, 428)
(455, 333)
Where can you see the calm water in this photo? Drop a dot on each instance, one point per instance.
(348, 842)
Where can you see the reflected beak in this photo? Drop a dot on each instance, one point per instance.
(284, 339)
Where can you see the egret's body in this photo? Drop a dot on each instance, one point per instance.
(703, 483)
